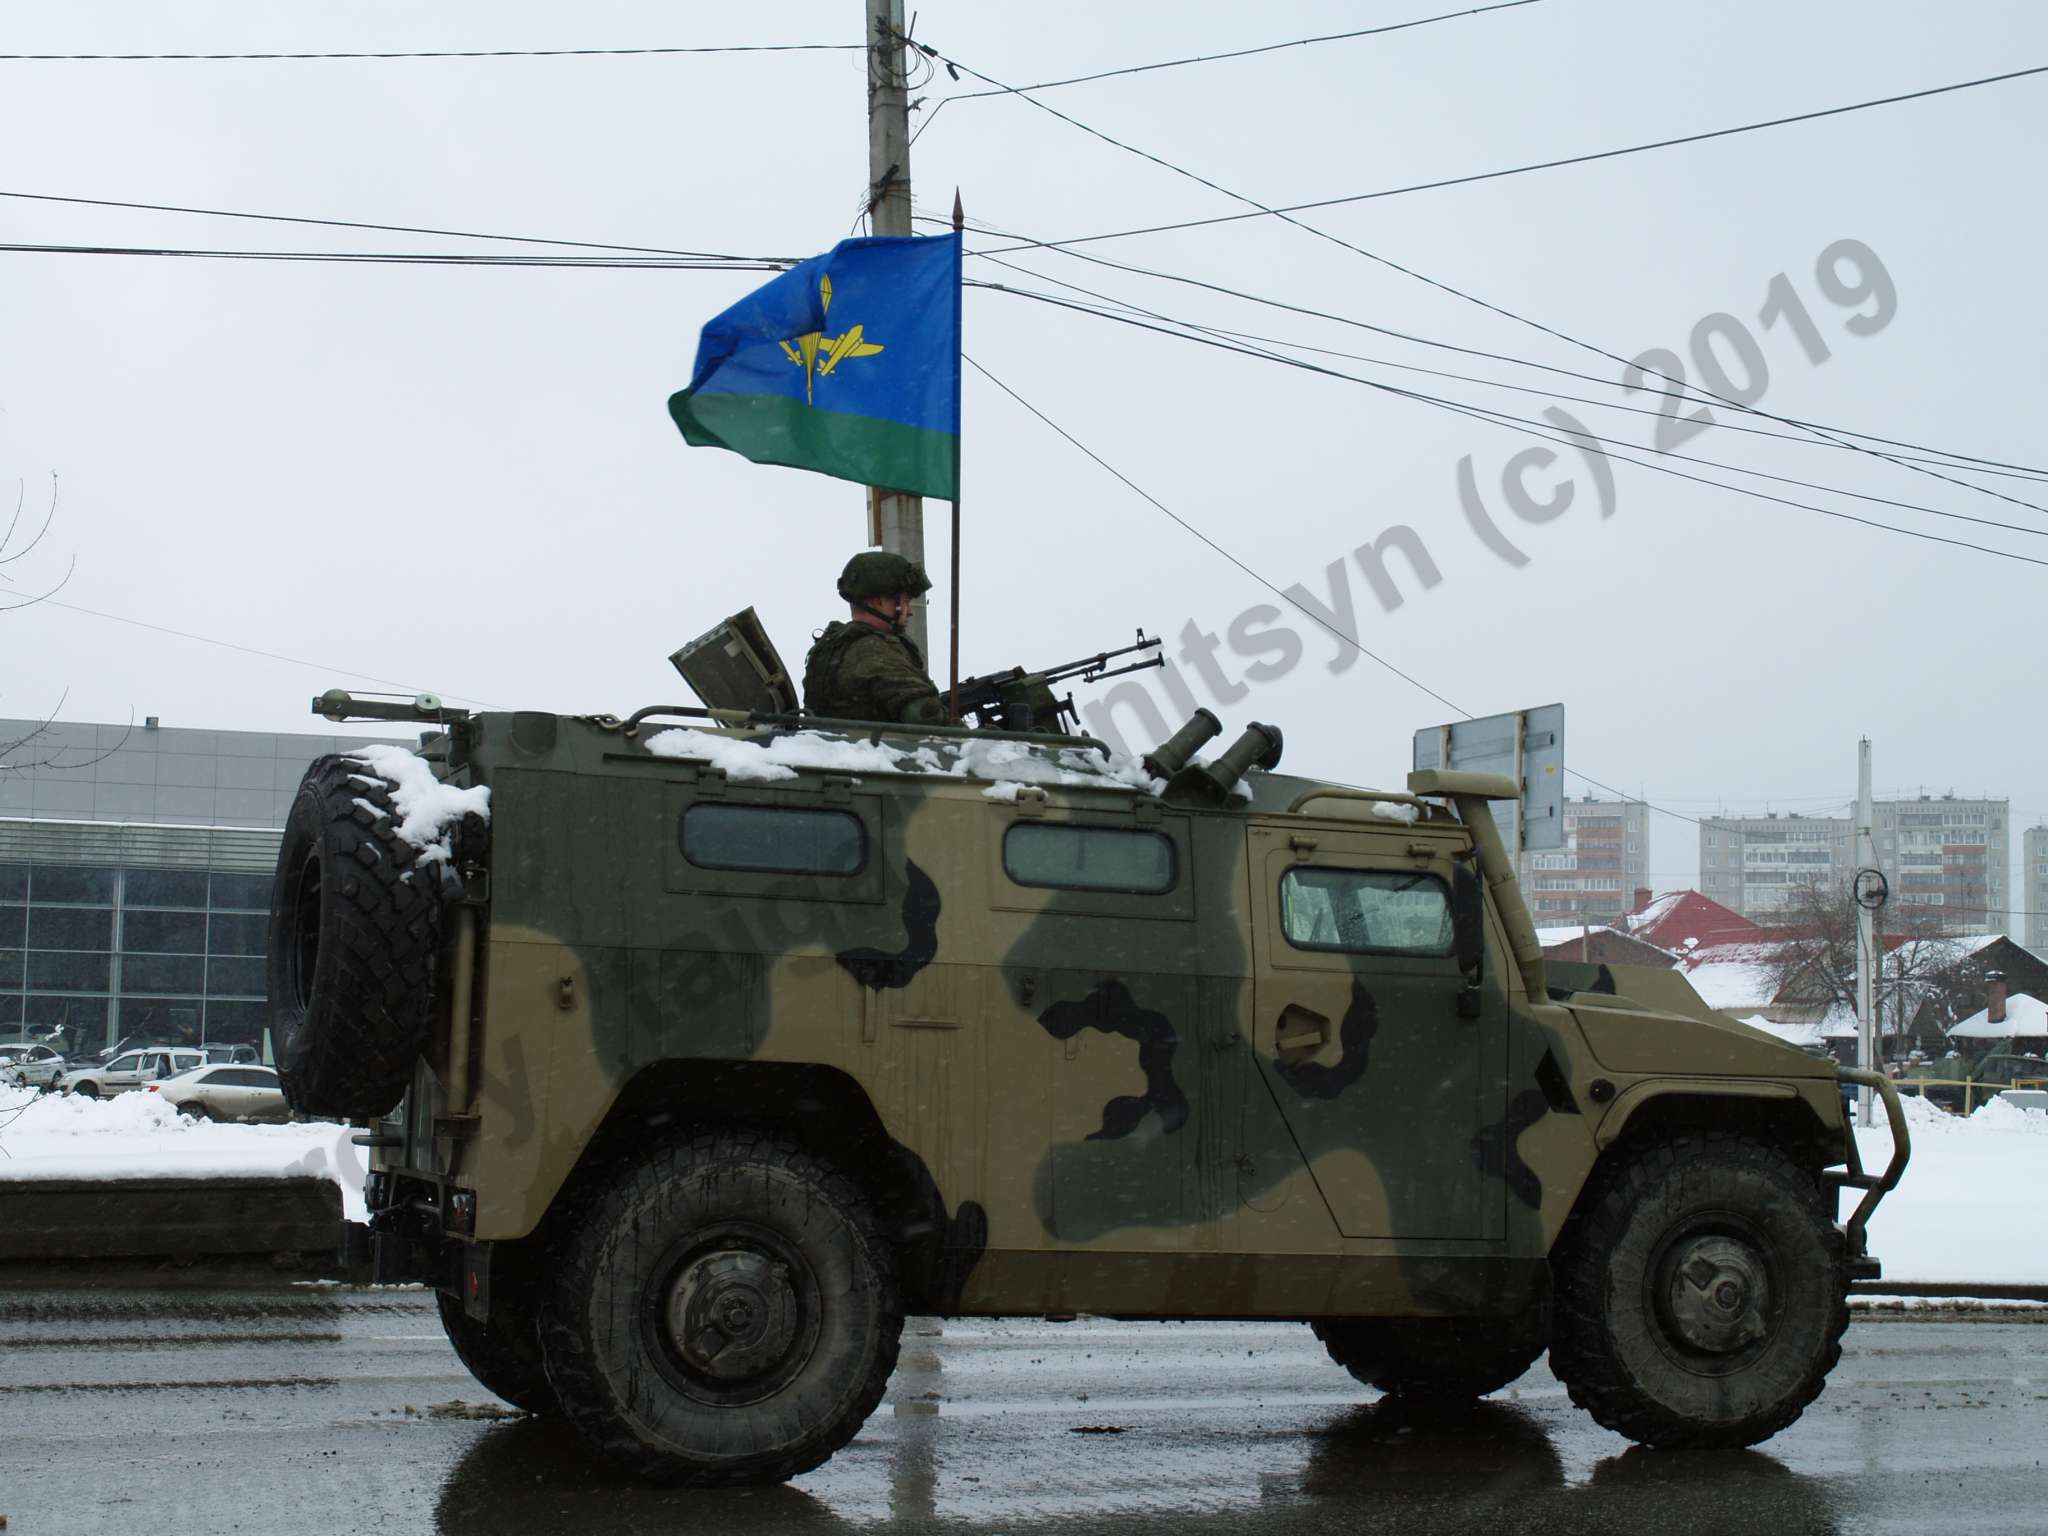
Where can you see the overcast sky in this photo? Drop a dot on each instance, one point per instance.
(465, 479)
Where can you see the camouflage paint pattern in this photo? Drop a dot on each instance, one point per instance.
(1137, 1104)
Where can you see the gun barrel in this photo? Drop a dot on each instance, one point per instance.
(1087, 666)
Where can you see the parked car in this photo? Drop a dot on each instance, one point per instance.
(30, 1066)
(232, 1092)
(122, 1047)
(131, 1069)
(240, 1055)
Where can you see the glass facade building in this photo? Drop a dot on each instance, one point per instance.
(125, 909)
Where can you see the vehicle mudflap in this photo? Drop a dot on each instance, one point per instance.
(354, 1256)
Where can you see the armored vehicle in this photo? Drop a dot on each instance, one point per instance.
(694, 1049)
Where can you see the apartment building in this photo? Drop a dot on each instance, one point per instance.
(1592, 879)
(2033, 885)
(1938, 851)
(1756, 865)
(1941, 851)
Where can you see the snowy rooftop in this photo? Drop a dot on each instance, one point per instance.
(2025, 1014)
(1734, 975)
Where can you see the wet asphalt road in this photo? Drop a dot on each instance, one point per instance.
(315, 1410)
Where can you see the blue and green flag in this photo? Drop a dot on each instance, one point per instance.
(847, 364)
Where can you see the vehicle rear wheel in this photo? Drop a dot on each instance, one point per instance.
(1702, 1293)
(192, 1109)
(1444, 1359)
(503, 1354)
(355, 920)
(728, 1313)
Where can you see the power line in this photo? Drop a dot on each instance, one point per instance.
(1246, 53)
(1692, 458)
(229, 645)
(1211, 58)
(389, 229)
(439, 53)
(1458, 181)
(1482, 413)
(1990, 466)
(1412, 681)
(1816, 430)
(1520, 319)
(1317, 619)
(410, 258)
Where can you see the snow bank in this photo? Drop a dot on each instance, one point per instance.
(1969, 1207)
(138, 1136)
(770, 758)
(426, 807)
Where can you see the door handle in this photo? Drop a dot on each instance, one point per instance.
(1300, 1029)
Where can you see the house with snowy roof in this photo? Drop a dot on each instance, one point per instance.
(1682, 921)
(2019, 1017)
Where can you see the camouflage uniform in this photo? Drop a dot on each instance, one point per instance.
(858, 672)
(855, 672)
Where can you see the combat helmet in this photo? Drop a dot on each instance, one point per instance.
(881, 573)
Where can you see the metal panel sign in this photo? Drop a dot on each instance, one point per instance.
(1527, 747)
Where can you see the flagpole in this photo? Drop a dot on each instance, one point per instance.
(959, 224)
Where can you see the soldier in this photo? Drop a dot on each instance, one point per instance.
(865, 667)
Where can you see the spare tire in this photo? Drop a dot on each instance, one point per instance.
(355, 921)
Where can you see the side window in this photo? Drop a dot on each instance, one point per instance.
(1365, 911)
(772, 840)
(127, 1063)
(1133, 861)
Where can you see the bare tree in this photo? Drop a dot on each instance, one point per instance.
(1923, 961)
(30, 749)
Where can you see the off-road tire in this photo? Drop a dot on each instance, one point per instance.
(503, 1354)
(355, 920)
(1434, 1359)
(735, 1228)
(1702, 1292)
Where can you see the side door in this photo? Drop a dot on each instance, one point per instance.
(1382, 1077)
(122, 1073)
(1119, 1034)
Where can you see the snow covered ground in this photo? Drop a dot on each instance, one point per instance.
(139, 1136)
(1973, 1208)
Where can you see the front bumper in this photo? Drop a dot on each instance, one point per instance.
(1875, 1186)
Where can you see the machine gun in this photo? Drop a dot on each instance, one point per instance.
(1021, 700)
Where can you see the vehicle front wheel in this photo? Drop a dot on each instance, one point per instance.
(1441, 1359)
(87, 1090)
(728, 1313)
(1702, 1293)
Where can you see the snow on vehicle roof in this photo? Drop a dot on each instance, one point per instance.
(775, 756)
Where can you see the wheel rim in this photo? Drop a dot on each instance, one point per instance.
(734, 1314)
(1714, 1298)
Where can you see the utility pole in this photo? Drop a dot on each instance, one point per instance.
(1866, 931)
(895, 521)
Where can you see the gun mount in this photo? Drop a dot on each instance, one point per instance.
(1018, 699)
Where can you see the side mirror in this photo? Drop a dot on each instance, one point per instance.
(1468, 922)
